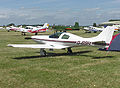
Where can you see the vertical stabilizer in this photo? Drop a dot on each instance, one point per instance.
(105, 35)
(46, 25)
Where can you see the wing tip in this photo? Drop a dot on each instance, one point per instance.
(10, 45)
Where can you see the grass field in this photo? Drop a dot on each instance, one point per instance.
(87, 67)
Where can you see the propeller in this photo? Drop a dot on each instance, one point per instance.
(28, 38)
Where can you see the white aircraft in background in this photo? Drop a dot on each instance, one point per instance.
(12, 28)
(31, 29)
(64, 40)
(1, 28)
(96, 29)
(117, 27)
(93, 29)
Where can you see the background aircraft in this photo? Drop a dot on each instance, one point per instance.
(93, 29)
(12, 28)
(1, 28)
(117, 27)
(64, 40)
(31, 29)
(96, 29)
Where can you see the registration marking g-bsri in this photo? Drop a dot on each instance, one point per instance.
(83, 42)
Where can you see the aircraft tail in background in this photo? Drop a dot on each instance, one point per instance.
(46, 25)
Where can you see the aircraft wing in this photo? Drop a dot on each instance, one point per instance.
(37, 46)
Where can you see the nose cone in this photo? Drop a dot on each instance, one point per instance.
(28, 38)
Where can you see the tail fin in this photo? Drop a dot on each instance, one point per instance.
(20, 26)
(46, 25)
(105, 35)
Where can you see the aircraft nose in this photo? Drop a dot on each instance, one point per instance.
(28, 38)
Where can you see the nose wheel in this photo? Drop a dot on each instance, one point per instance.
(69, 50)
(42, 52)
(36, 33)
(23, 33)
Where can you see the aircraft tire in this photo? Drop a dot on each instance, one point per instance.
(36, 33)
(69, 51)
(42, 52)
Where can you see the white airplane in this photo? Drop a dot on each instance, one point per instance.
(93, 29)
(12, 28)
(31, 29)
(1, 28)
(96, 29)
(117, 27)
(64, 40)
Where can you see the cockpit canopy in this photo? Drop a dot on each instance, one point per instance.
(57, 35)
(28, 27)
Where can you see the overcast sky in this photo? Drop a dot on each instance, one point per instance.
(66, 12)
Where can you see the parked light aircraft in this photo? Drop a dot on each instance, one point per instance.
(31, 29)
(64, 40)
(117, 27)
(96, 29)
(1, 28)
(93, 29)
(12, 28)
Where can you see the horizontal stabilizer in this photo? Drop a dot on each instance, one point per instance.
(101, 43)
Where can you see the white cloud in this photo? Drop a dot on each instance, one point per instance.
(62, 16)
(46, 1)
(35, 16)
(92, 9)
(115, 1)
(3, 16)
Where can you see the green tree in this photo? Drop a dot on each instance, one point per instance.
(11, 24)
(94, 25)
(76, 26)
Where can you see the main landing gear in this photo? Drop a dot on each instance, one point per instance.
(23, 33)
(36, 33)
(43, 52)
(69, 50)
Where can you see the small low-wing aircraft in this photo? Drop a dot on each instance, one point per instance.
(93, 29)
(117, 27)
(96, 29)
(1, 28)
(12, 28)
(62, 40)
(31, 29)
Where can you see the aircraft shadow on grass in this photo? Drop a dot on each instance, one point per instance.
(103, 57)
(97, 57)
(65, 54)
(54, 54)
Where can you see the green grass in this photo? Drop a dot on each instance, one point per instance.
(87, 67)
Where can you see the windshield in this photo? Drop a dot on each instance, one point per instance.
(56, 35)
